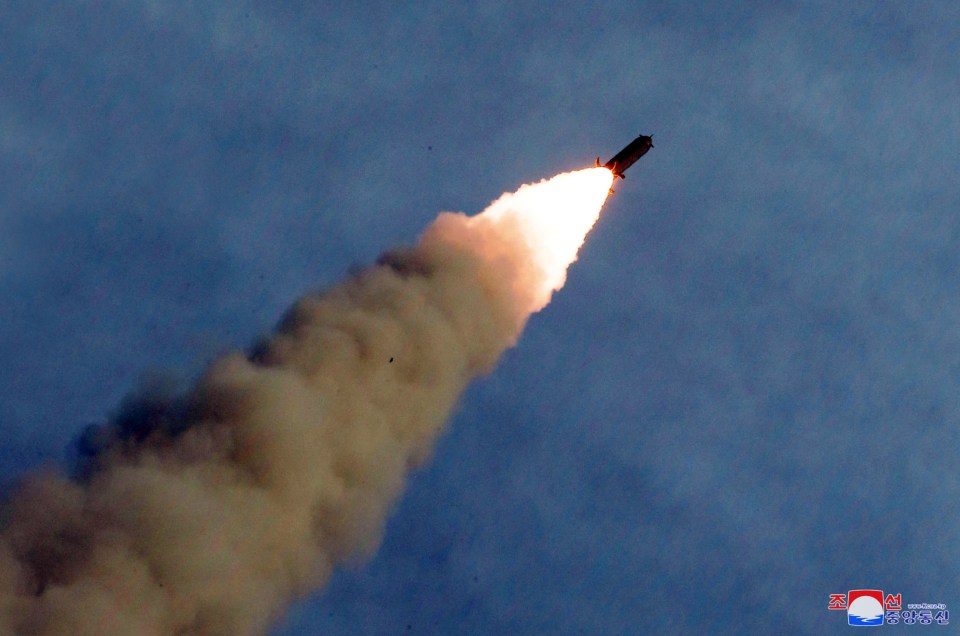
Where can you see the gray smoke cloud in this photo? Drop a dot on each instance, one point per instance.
(207, 513)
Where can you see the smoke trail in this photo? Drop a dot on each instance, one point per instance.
(221, 506)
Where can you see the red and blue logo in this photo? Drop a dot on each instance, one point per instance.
(870, 608)
(865, 607)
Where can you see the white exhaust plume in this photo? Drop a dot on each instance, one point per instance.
(220, 507)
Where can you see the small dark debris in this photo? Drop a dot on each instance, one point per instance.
(391, 359)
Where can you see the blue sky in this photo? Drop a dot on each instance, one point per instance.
(746, 397)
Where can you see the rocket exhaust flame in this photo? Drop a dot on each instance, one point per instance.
(553, 218)
(211, 514)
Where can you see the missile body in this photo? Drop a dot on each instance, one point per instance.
(628, 156)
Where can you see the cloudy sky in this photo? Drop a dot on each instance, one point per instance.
(746, 398)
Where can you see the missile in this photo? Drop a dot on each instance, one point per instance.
(628, 156)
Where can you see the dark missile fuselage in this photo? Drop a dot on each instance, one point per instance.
(629, 155)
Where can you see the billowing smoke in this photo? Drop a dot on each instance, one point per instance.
(207, 513)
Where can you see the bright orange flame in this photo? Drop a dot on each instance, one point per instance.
(552, 218)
